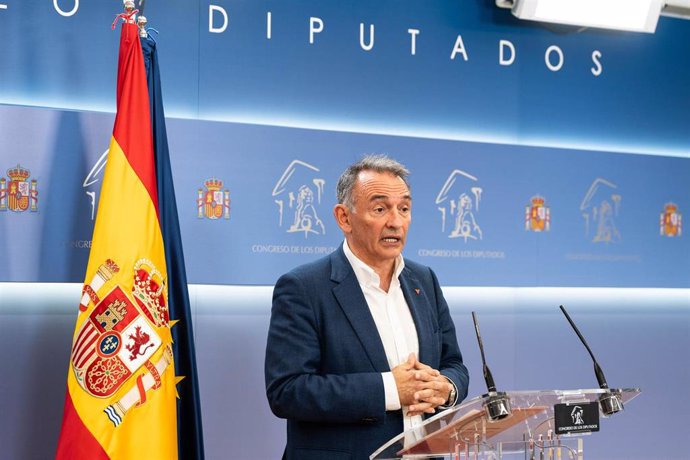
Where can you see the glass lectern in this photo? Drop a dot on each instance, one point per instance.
(533, 428)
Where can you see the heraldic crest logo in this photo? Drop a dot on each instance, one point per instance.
(119, 345)
(671, 221)
(213, 203)
(537, 215)
(19, 194)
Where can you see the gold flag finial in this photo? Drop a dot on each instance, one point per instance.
(141, 22)
(129, 6)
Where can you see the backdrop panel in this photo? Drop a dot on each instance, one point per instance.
(257, 200)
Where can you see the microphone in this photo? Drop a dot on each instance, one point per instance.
(609, 402)
(496, 403)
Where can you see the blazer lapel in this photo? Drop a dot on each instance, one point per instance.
(418, 303)
(354, 305)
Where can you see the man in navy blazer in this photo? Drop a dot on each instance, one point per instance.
(361, 343)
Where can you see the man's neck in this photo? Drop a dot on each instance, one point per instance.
(385, 277)
(384, 270)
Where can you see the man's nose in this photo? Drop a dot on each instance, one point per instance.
(395, 219)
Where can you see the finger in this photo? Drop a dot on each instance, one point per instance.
(419, 408)
(439, 386)
(436, 401)
(428, 411)
(421, 366)
(426, 375)
(424, 394)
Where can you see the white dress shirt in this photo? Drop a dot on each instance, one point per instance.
(394, 323)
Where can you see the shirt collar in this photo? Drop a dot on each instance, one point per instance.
(366, 276)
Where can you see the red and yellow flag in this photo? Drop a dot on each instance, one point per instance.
(121, 397)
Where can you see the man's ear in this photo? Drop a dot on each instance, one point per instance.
(342, 217)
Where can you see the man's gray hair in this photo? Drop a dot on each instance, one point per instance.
(376, 163)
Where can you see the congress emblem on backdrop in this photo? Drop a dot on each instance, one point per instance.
(18, 194)
(671, 221)
(119, 337)
(537, 215)
(600, 208)
(458, 202)
(298, 195)
(213, 203)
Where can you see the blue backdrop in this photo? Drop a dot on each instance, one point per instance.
(485, 214)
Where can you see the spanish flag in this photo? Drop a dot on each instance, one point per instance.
(121, 384)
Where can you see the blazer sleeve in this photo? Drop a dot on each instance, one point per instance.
(295, 386)
(451, 358)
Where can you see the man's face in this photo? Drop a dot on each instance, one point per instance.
(376, 227)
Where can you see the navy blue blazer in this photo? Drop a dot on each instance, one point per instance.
(324, 357)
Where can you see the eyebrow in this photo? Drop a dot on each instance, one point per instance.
(385, 197)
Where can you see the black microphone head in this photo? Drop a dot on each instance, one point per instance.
(600, 376)
(489, 379)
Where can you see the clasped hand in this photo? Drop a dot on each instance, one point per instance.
(420, 387)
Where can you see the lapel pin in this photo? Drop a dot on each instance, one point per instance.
(417, 290)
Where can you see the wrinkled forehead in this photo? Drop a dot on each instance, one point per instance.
(375, 185)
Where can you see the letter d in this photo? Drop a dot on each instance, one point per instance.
(501, 56)
(221, 10)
